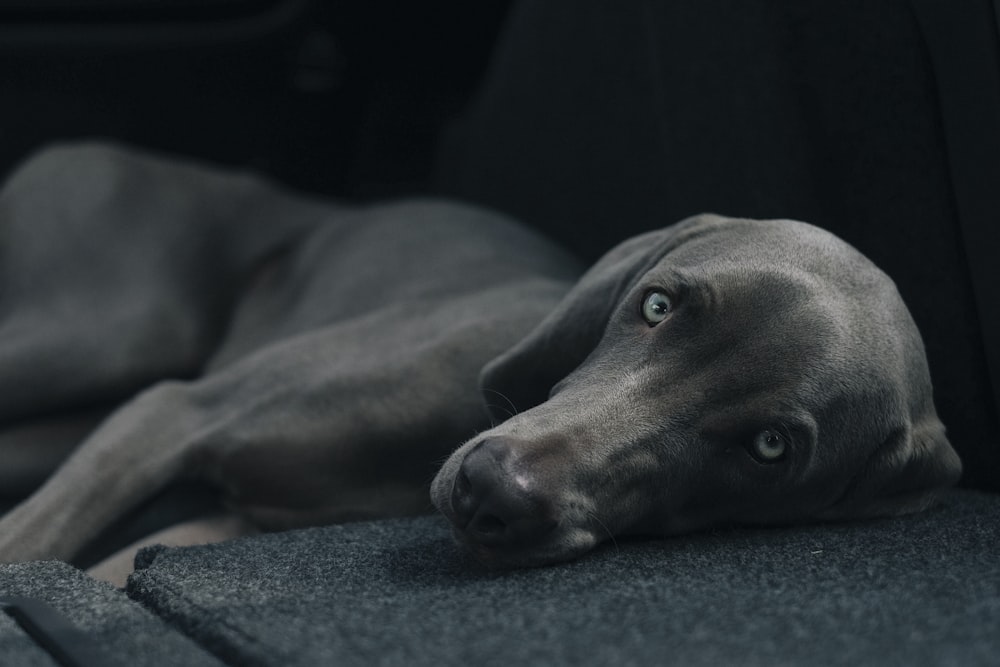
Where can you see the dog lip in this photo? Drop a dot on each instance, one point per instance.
(564, 544)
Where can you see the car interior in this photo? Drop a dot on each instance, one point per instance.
(589, 122)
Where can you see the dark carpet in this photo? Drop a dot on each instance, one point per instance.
(121, 630)
(917, 590)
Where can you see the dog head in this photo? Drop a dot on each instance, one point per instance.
(718, 371)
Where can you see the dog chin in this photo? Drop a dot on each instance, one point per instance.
(557, 549)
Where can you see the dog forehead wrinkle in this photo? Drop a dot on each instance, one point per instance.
(798, 251)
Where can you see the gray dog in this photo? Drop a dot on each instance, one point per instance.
(318, 362)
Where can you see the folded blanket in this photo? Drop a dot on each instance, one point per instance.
(916, 590)
(121, 631)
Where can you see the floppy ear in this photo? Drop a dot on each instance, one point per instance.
(522, 377)
(905, 474)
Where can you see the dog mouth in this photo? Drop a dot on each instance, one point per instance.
(508, 528)
(498, 550)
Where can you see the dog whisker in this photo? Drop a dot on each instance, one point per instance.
(512, 411)
(604, 526)
(495, 422)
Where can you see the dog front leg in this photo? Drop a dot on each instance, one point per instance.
(136, 452)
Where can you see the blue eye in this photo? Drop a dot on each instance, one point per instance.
(768, 446)
(656, 307)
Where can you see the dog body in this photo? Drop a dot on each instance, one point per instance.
(318, 362)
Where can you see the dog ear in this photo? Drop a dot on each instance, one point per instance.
(522, 377)
(905, 474)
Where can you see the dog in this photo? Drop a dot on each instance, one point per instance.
(318, 362)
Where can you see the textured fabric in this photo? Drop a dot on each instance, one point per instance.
(127, 633)
(917, 590)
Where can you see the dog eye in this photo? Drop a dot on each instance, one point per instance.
(768, 446)
(656, 307)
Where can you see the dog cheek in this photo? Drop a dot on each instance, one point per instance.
(656, 483)
(702, 485)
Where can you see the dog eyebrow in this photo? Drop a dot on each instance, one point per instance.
(672, 279)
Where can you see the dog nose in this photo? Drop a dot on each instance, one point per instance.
(493, 503)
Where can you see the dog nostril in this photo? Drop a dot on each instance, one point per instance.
(462, 484)
(463, 501)
(490, 507)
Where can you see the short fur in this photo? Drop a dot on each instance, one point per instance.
(317, 362)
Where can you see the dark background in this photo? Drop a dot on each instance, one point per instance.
(589, 120)
(345, 98)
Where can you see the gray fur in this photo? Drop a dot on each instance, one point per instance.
(777, 325)
(317, 362)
